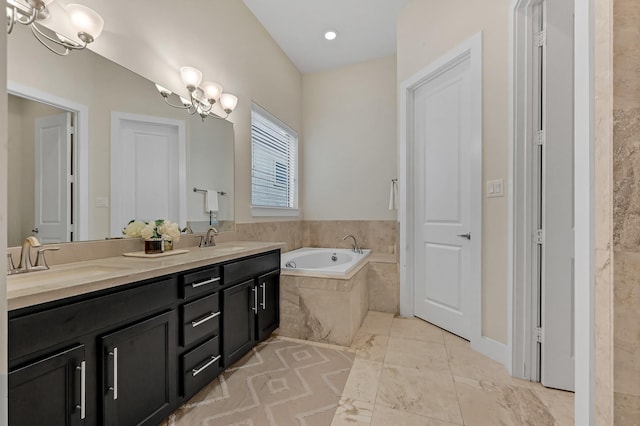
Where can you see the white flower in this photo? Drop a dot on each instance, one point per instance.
(148, 231)
(169, 231)
(133, 229)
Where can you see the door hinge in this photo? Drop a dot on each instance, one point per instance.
(542, 38)
(540, 141)
(540, 236)
(539, 335)
(71, 228)
(71, 179)
(72, 130)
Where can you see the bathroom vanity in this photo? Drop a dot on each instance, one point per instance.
(129, 345)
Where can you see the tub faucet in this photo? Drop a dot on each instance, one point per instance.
(355, 247)
(25, 254)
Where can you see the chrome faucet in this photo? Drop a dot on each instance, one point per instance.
(209, 240)
(355, 247)
(25, 254)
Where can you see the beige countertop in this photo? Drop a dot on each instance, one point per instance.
(73, 279)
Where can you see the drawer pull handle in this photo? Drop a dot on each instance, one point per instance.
(83, 390)
(210, 316)
(264, 296)
(255, 300)
(114, 388)
(197, 371)
(209, 281)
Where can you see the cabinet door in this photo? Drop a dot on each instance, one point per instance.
(238, 320)
(139, 371)
(50, 391)
(268, 318)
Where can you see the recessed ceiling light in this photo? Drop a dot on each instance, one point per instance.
(330, 35)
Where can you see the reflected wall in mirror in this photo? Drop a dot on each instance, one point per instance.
(96, 88)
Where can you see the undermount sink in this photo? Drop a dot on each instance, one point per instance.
(84, 271)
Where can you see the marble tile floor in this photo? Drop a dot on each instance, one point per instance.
(408, 372)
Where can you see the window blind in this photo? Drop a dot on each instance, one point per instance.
(273, 158)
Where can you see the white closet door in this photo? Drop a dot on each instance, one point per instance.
(52, 180)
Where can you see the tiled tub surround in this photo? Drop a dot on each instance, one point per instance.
(626, 211)
(321, 307)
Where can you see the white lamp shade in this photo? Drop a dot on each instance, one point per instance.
(228, 102)
(191, 77)
(85, 20)
(212, 91)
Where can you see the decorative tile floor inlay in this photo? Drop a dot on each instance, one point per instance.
(279, 383)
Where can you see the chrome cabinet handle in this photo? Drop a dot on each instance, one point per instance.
(255, 300)
(209, 281)
(83, 390)
(114, 354)
(202, 320)
(197, 371)
(263, 286)
(467, 235)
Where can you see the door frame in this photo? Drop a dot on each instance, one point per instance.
(518, 306)
(81, 142)
(116, 223)
(471, 48)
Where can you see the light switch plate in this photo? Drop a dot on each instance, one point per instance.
(495, 188)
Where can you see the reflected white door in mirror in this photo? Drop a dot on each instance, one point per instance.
(148, 170)
(48, 162)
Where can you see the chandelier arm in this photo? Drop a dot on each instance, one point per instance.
(35, 28)
(172, 105)
(29, 20)
(37, 34)
(11, 19)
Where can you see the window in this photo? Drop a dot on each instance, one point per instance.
(273, 165)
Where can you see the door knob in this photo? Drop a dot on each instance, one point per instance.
(467, 235)
(35, 230)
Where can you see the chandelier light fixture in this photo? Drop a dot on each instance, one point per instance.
(83, 22)
(202, 97)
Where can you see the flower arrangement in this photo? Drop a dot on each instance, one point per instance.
(154, 229)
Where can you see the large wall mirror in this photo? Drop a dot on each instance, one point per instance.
(64, 113)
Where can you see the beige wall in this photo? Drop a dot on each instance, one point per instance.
(427, 29)
(350, 148)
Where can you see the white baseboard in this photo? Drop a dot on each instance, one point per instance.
(490, 348)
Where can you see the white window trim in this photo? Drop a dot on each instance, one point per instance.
(262, 211)
(267, 211)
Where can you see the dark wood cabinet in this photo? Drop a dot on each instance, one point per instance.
(132, 354)
(50, 391)
(139, 371)
(238, 319)
(268, 315)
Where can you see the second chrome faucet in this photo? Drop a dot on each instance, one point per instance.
(355, 247)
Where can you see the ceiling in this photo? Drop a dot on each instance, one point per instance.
(366, 29)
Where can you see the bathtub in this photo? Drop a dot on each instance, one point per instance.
(329, 261)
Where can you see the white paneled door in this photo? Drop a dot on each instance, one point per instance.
(443, 119)
(556, 201)
(52, 178)
(148, 176)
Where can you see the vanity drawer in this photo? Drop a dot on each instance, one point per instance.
(200, 366)
(33, 332)
(244, 269)
(200, 282)
(200, 319)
